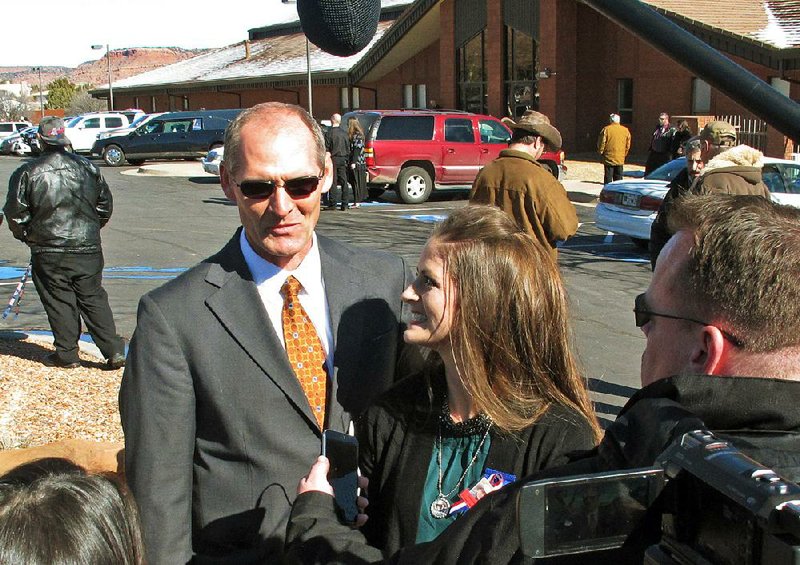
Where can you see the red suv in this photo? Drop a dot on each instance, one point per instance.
(417, 151)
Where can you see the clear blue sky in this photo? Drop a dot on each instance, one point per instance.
(146, 23)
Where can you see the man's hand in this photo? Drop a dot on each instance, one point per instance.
(317, 480)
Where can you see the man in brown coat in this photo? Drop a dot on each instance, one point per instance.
(613, 144)
(516, 183)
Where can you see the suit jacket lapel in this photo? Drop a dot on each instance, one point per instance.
(238, 307)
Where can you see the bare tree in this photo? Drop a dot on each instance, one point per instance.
(14, 106)
(82, 102)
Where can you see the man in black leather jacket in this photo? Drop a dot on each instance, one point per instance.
(57, 204)
(722, 353)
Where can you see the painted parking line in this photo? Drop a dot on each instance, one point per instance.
(13, 274)
(142, 272)
(426, 218)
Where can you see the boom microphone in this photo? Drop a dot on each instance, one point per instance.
(339, 27)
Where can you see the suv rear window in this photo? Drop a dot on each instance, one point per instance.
(6, 127)
(405, 127)
(113, 122)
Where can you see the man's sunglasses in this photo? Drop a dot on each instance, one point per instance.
(296, 188)
(643, 314)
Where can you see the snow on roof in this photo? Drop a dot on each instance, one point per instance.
(269, 58)
(773, 22)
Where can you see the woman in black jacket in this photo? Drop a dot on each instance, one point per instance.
(502, 392)
(356, 165)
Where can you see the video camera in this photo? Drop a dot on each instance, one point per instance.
(713, 503)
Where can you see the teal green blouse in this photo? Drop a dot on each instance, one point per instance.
(457, 452)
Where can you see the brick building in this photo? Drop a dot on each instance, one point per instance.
(500, 57)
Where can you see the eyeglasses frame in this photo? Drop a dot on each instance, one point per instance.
(642, 317)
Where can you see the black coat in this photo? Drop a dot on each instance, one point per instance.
(397, 437)
(58, 202)
(758, 415)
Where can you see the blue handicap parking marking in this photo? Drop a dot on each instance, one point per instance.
(426, 218)
(11, 272)
(140, 272)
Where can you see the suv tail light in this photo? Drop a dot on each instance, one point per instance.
(369, 156)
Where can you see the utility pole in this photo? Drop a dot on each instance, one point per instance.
(110, 85)
(41, 96)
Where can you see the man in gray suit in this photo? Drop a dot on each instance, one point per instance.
(218, 429)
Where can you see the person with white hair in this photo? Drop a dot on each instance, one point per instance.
(613, 144)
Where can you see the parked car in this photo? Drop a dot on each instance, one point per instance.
(175, 135)
(133, 114)
(629, 206)
(31, 137)
(140, 120)
(10, 145)
(82, 131)
(212, 160)
(418, 151)
(10, 128)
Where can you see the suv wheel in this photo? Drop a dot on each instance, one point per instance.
(113, 155)
(414, 185)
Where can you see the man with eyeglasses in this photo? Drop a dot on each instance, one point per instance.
(722, 353)
(237, 365)
(714, 165)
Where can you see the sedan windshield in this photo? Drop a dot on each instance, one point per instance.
(668, 171)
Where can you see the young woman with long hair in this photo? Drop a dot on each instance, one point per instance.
(356, 165)
(502, 391)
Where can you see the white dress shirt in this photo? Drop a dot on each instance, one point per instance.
(269, 279)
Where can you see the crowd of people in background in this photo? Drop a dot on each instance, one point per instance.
(460, 382)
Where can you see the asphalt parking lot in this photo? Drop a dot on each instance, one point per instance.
(165, 224)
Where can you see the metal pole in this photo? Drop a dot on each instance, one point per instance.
(110, 88)
(308, 73)
(41, 96)
(709, 64)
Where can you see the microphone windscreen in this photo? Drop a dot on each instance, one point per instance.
(339, 27)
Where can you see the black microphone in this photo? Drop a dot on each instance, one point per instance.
(339, 27)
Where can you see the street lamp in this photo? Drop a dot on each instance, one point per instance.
(41, 96)
(110, 89)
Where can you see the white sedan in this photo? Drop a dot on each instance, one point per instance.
(629, 206)
(212, 160)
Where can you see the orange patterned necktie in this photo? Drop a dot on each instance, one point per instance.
(304, 349)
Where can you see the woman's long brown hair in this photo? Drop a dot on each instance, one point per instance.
(510, 333)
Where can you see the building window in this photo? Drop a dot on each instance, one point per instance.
(472, 75)
(344, 98)
(701, 96)
(520, 69)
(153, 104)
(185, 103)
(136, 102)
(356, 98)
(625, 100)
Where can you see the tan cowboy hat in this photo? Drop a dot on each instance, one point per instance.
(536, 122)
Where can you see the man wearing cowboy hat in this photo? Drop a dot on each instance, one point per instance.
(517, 184)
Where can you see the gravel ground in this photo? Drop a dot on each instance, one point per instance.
(40, 405)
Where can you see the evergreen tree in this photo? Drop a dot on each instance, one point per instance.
(61, 92)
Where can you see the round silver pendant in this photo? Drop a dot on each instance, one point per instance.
(440, 507)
